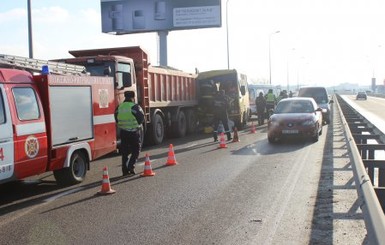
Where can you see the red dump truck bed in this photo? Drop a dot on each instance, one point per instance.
(161, 86)
(167, 95)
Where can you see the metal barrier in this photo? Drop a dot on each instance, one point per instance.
(358, 131)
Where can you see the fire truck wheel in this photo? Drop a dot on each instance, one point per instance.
(181, 124)
(75, 173)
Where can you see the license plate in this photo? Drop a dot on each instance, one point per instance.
(290, 131)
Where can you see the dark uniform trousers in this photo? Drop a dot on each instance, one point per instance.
(130, 144)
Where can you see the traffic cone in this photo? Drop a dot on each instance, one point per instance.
(235, 137)
(222, 143)
(171, 156)
(147, 167)
(253, 130)
(106, 187)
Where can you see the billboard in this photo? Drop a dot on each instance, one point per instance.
(133, 16)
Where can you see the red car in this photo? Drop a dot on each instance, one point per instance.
(297, 117)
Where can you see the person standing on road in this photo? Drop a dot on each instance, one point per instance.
(221, 102)
(271, 101)
(129, 117)
(260, 102)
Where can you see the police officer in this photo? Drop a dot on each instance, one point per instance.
(129, 117)
(220, 114)
(271, 101)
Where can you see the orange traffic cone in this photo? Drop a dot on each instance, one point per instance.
(253, 130)
(147, 167)
(106, 187)
(235, 137)
(222, 143)
(171, 156)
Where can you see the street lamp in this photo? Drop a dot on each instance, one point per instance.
(270, 53)
(227, 35)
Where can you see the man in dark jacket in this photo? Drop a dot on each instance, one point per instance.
(129, 117)
(260, 103)
(220, 114)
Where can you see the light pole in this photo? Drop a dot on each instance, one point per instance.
(287, 69)
(30, 29)
(374, 68)
(227, 35)
(271, 34)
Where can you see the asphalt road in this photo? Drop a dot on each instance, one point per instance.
(249, 193)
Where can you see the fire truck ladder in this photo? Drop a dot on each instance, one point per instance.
(35, 65)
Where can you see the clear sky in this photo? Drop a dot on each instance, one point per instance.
(323, 42)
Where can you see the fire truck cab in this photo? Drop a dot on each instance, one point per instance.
(54, 123)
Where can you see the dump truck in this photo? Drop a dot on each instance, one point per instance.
(166, 95)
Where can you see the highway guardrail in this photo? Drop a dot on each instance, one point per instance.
(363, 140)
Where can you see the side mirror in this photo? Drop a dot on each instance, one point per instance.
(331, 101)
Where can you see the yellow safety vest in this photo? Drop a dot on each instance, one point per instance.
(126, 119)
(270, 97)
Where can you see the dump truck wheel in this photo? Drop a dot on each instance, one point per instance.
(157, 131)
(181, 124)
(191, 121)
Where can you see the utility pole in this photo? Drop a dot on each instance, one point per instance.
(270, 54)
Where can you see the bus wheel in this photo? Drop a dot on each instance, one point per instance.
(245, 119)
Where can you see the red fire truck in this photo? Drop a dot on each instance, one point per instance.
(53, 122)
(167, 95)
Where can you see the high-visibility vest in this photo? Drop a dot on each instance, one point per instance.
(270, 97)
(126, 119)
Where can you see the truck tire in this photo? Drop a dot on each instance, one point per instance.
(75, 173)
(157, 130)
(181, 125)
(191, 122)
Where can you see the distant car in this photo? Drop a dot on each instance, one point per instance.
(361, 95)
(297, 117)
(321, 97)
